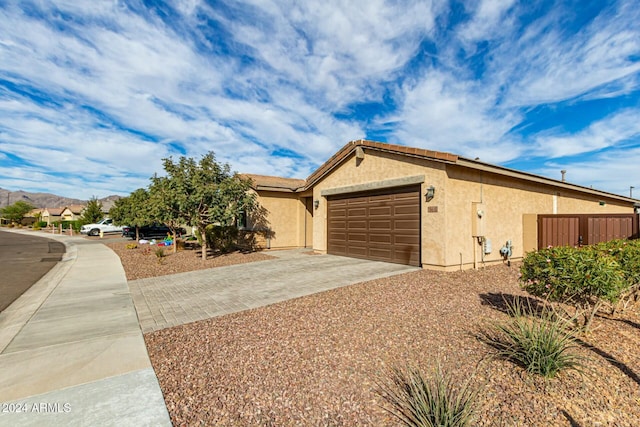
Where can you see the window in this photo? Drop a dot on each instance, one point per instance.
(241, 221)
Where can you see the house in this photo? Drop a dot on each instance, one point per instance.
(51, 215)
(431, 209)
(32, 216)
(72, 213)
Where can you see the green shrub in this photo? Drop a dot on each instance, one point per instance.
(583, 277)
(159, 252)
(569, 274)
(222, 237)
(41, 224)
(541, 344)
(75, 225)
(627, 254)
(434, 402)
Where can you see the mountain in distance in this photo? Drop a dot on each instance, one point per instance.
(48, 200)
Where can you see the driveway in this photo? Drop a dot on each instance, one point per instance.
(166, 301)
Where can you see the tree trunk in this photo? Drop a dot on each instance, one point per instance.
(204, 244)
(175, 241)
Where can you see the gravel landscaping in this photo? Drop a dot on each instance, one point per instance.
(317, 360)
(142, 261)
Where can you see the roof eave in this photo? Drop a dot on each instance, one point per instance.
(486, 167)
(351, 146)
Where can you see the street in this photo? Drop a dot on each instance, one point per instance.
(24, 259)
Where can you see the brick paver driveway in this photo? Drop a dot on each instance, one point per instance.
(173, 300)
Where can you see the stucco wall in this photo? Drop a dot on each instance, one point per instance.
(507, 203)
(374, 168)
(286, 218)
(509, 206)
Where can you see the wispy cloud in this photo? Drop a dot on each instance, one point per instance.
(619, 130)
(94, 94)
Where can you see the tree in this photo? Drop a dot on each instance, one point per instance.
(132, 210)
(16, 211)
(200, 194)
(93, 212)
(163, 207)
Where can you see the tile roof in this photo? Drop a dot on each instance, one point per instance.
(378, 146)
(76, 209)
(54, 211)
(274, 183)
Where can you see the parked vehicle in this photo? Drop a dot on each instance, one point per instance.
(104, 226)
(155, 231)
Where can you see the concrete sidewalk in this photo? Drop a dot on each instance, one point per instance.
(71, 348)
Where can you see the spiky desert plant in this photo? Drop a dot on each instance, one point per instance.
(542, 344)
(438, 401)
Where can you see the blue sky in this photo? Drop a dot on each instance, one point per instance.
(93, 94)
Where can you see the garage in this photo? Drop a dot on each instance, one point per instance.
(383, 225)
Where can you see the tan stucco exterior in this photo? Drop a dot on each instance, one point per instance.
(288, 219)
(453, 234)
(51, 215)
(507, 204)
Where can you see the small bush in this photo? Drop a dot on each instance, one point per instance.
(159, 251)
(75, 225)
(434, 402)
(627, 254)
(583, 277)
(541, 345)
(222, 237)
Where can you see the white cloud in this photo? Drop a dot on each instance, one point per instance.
(489, 20)
(612, 131)
(447, 114)
(104, 92)
(553, 66)
(612, 170)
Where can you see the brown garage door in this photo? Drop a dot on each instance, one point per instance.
(381, 226)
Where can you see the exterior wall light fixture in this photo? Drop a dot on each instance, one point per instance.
(316, 203)
(431, 191)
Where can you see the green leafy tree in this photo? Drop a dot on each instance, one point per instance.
(93, 212)
(16, 211)
(132, 210)
(200, 194)
(163, 205)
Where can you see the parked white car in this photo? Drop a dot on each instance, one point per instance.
(104, 226)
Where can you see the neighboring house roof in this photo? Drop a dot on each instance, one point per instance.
(107, 205)
(34, 212)
(53, 211)
(274, 183)
(443, 157)
(76, 209)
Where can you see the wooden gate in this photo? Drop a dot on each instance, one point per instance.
(585, 229)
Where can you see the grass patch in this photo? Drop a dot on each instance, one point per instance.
(439, 401)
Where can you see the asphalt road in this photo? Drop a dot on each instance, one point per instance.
(24, 260)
